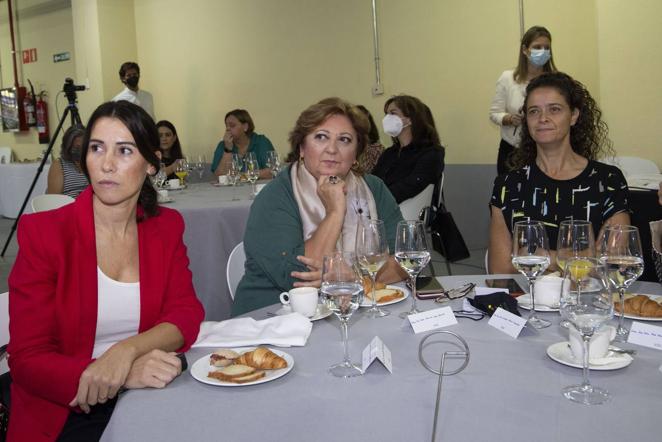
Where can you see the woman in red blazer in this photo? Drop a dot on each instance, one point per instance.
(114, 228)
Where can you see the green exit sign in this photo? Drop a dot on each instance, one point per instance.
(62, 56)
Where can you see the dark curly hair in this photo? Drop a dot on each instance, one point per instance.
(588, 136)
(317, 114)
(144, 133)
(423, 128)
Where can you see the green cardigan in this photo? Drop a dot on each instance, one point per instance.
(274, 239)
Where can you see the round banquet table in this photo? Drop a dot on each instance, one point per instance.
(214, 225)
(511, 390)
(15, 180)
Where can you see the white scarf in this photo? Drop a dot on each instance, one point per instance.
(360, 204)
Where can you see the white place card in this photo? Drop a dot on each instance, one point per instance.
(432, 319)
(507, 322)
(377, 350)
(488, 290)
(646, 335)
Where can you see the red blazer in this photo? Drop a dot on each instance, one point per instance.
(53, 306)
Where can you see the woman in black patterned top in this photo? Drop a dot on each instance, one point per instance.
(555, 174)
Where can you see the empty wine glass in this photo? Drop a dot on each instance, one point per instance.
(619, 248)
(575, 240)
(253, 172)
(531, 258)
(273, 162)
(342, 292)
(200, 166)
(161, 176)
(590, 310)
(372, 254)
(412, 253)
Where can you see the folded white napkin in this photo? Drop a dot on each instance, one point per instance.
(281, 331)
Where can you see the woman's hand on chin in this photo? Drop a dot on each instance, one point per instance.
(155, 369)
(313, 278)
(102, 379)
(332, 194)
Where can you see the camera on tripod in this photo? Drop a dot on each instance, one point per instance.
(70, 89)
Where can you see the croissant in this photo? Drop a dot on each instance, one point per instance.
(367, 286)
(262, 358)
(641, 305)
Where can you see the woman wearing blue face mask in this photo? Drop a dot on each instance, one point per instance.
(535, 57)
(416, 158)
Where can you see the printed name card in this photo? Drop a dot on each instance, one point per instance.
(377, 350)
(507, 322)
(432, 319)
(646, 335)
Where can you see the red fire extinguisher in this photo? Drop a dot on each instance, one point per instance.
(42, 119)
(28, 108)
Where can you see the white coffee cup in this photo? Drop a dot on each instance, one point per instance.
(162, 195)
(223, 180)
(173, 183)
(302, 300)
(548, 290)
(598, 346)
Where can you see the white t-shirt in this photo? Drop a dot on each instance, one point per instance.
(118, 312)
(141, 98)
(508, 99)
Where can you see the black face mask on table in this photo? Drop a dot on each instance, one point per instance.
(132, 82)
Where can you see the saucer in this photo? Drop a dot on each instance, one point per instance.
(165, 200)
(321, 312)
(561, 353)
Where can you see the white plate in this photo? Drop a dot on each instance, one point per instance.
(638, 318)
(561, 353)
(165, 200)
(367, 302)
(321, 313)
(174, 188)
(201, 368)
(524, 301)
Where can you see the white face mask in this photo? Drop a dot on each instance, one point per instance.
(392, 125)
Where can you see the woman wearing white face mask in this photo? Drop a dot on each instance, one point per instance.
(535, 57)
(416, 158)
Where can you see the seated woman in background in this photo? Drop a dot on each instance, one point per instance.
(416, 158)
(171, 150)
(65, 175)
(555, 175)
(240, 138)
(100, 289)
(313, 207)
(374, 148)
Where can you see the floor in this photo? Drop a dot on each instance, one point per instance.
(474, 265)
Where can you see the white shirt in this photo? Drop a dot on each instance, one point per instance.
(508, 99)
(142, 98)
(118, 312)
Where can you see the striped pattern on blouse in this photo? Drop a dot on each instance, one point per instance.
(75, 180)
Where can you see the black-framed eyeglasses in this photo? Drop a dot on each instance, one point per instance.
(456, 293)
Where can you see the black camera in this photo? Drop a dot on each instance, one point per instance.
(70, 89)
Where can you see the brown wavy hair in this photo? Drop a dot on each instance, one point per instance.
(317, 113)
(588, 136)
(522, 69)
(244, 118)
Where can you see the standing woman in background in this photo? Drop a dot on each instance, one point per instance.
(416, 158)
(65, 175)
(171, 150)
(240, 138)
(535, 57)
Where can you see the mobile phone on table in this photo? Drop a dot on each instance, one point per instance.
(428, 287)
(513, 287)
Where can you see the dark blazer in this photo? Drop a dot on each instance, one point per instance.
(53, 306)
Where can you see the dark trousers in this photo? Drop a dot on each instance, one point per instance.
(505, 149)
(81, 427)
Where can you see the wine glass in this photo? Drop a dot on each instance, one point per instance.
(273, 162)
(372, 254)
(411, 252)
(253, 172)
(575, 240)
(181, 171)
(200, 166)
(591, 309)
(619, 247)
(342, 292)
(161, 176)
(531, 258)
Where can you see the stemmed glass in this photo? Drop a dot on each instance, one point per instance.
(200, 166)
(234, 173)
(372, 254)
(273, 162)
(342, 291)
(590, 310)
(531, 258)
(253, 172)
(575, 240)
(411, 252)
(182, 171)
(619, 248)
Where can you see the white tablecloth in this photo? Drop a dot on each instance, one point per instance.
(15, 181)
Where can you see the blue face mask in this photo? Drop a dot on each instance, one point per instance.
(538, 57)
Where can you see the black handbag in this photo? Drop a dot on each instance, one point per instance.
(446, 237)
